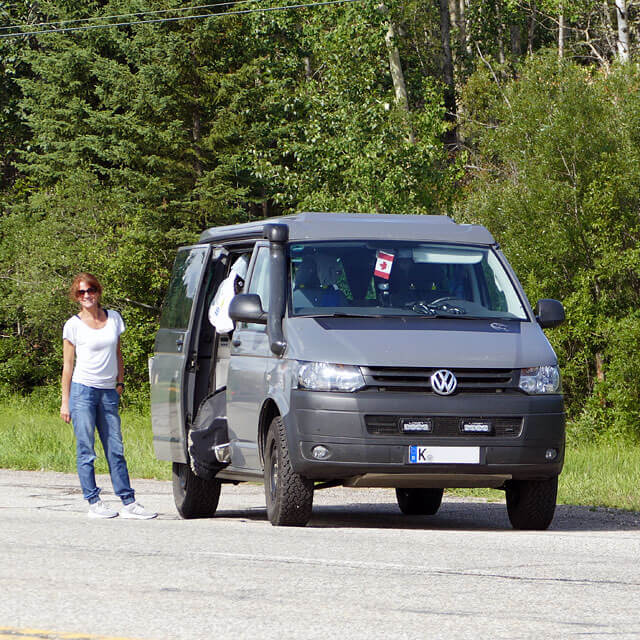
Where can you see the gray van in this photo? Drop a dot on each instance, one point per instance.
(368, 351)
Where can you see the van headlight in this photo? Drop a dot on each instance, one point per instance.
(323, 376)
(536, 380)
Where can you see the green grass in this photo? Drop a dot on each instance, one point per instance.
(602, 475)
(595, 475)
(32, 436)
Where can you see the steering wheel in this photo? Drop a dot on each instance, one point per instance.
(443, 299)
(441, 304)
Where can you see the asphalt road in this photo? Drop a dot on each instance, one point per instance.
(359, 569)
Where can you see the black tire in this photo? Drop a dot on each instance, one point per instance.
(194, 497)
(419, 502)
(531, 503)
(289, 496)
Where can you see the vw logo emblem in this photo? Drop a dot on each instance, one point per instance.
(443, 382)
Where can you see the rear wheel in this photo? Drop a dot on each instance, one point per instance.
(531, 503)
(289, 496)
(194, 497)
(419, 502)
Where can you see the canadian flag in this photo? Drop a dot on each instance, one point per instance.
(384, 262)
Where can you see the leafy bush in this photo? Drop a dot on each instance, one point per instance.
(558, 182)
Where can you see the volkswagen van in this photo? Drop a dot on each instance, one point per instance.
(392, 351)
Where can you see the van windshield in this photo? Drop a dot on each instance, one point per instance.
(382, 278)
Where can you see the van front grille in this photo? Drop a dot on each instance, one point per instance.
(418, 379)
(443, 426)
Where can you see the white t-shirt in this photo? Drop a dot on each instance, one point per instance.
(96, 350)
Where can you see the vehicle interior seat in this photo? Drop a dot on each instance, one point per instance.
(427, 282)
(308, 290)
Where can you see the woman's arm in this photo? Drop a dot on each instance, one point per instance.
(68, 356)
(120, 377)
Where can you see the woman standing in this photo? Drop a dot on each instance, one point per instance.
(91, 395)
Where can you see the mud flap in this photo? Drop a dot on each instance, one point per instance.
(209, 436)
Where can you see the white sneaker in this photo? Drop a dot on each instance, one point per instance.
(100, 510)
(137, 511)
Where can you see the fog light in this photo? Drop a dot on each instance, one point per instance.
(319, 452)
(550, 454)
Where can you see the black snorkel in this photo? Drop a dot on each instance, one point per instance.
(277, 234)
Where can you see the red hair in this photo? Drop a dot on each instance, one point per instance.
(90, 279)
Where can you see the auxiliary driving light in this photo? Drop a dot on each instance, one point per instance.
(550, 454)
(319, 452)
(412, 426)
(476, 426)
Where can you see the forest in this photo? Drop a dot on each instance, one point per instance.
(129, 126)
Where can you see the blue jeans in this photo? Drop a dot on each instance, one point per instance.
(90, 408)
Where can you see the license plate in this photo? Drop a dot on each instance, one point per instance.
(444, 455)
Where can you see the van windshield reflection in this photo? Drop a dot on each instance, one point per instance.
(380, 279)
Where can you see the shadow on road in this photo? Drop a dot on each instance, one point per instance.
(471, 516)
(333, 508)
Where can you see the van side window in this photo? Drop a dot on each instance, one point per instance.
(183, 287)
(260, 282)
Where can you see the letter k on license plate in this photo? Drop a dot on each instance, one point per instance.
(444, 455)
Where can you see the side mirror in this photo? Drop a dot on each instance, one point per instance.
(247, 307)
(549, 313)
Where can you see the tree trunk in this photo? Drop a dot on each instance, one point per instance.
(454, 7)
(599, 367)
(462, 27)
(196, 125)
(531, 32)
(501, 31)
(516, 40)
(561, 34)
(397, 75)
(307, 68)
(196, 132)
(623, 30)
(608, 27)
(447, 64)
(395, 67)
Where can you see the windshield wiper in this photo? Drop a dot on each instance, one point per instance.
(349, 315)
(502, 319)
(465, 316)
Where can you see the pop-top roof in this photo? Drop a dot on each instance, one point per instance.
(351, 226)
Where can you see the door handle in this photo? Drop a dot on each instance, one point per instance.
(236, 342)
(179, 343)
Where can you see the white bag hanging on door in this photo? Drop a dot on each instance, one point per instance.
(219, 308)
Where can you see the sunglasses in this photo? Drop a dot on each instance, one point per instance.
(81, 292)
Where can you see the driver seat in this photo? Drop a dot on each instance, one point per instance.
(427, 282)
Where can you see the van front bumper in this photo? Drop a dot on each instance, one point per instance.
(342, 424)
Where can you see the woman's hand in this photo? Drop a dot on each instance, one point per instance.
(64, 412)
(68, 356)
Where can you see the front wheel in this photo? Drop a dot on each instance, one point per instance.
(419, 502)
(531, 503)
(289, 496)
(194, 497)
